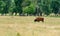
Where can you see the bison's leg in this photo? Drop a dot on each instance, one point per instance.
(43, 20)
(38, 21)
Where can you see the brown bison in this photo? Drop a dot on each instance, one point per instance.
(39, 19)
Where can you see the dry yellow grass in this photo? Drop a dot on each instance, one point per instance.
(25, 26)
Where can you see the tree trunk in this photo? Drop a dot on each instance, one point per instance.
(2, 14)
(15, 14)
(40, 13)
(27, 14)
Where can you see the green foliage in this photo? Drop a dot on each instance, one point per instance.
(28, 6)
(28, 3)
(46, 10)
(55, 6)
(18, 7)
(30, 9)
(1, 6)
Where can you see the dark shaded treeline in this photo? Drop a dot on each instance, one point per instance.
(29, 7)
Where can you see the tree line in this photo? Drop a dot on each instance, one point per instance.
(29, 7)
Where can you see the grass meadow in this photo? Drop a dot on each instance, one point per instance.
(25, 26)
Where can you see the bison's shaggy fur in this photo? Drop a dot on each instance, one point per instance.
(39, 19)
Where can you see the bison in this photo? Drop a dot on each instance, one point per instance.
(39, 19)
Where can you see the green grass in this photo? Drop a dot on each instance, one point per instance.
(25, 26)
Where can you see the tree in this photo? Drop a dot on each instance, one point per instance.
(29, 10)
(6, 7)
(46, 10)
(46, 7)
(12, 9)
(55, 7)
(1, 6)
(26, 3)
(18, 4)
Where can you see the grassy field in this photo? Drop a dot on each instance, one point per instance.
(25, 26)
